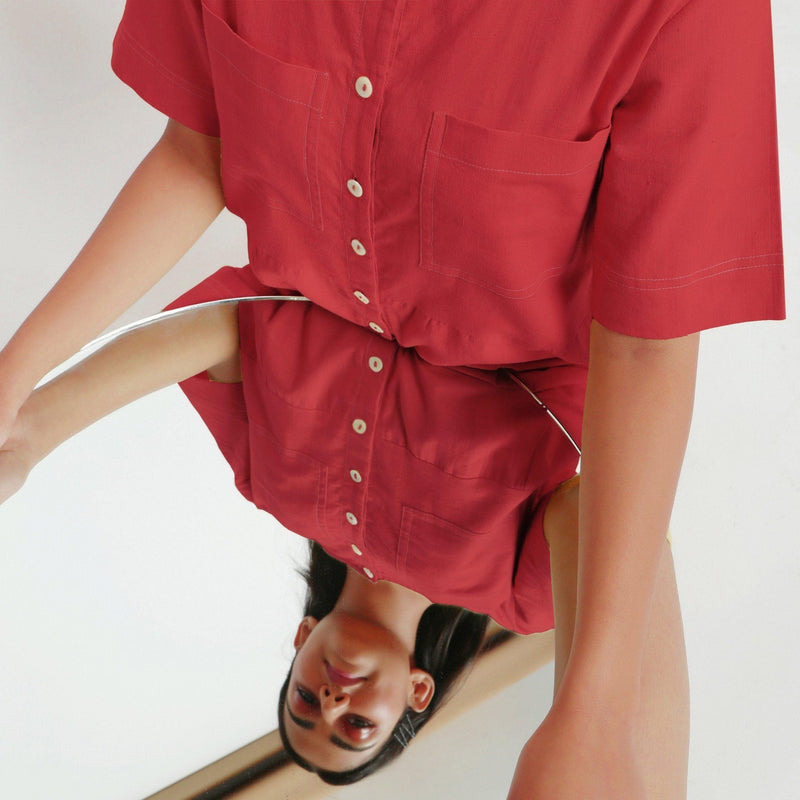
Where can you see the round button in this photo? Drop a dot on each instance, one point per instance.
(364, 86)
(375, 364)
(359, 426)
(377, 328)
(351, 518)
(358, 247)
(368, 572)
(362, 297)
(355, 550)
(355, 188)
(355, 475)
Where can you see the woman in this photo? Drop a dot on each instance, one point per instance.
(375, 659)
(479, 182)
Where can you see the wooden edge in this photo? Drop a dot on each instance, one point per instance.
(262, 769)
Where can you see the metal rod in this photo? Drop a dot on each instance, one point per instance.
(552, 416)
(174, 312)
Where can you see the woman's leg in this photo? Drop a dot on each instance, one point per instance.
(663, 723)
(139, 362)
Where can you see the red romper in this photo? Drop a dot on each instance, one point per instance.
(459, 188)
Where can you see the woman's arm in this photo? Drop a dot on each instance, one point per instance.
(166, 204)
(139, 362)
(636, 422)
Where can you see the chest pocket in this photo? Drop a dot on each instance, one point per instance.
(432, 552)
(503, 210)
(269, 115)
(288, 484)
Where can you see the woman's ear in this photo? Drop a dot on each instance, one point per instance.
(421, 689)
(307, 624)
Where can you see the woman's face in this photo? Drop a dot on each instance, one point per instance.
(351, 682)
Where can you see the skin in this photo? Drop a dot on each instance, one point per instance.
(636, 423)
(161, 211)
(661, 735)
(369, 634)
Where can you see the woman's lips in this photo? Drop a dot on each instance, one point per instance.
(341, 678)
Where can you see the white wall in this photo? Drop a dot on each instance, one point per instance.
(137, 595)
(138, 633)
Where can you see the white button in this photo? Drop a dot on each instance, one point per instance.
(355, 188)
(359, 426)
(358, 247)
(362, 297)
(351, 518)
(377, 328)
(364, 86)
(368, 572)
(355, 550)
(355, 475)
(375, 364)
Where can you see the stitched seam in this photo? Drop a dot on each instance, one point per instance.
(463, 334)
(264, 88)
(524, 489)
(322, 496)
(433, 195)
(305, 150)
(263, 429)
(342, 184)
(611, 271)
(689, 283)
(515, 294)
(492, 287)
(414, 512)
(267, 386)
(361, 25)
(501, 291)
(174, 77)
(255, 186)
(514, 171)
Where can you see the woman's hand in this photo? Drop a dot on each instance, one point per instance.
(578, 755)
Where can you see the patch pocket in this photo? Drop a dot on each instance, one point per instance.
(287, 483)
(503, 209)
(429, 547)
(269, 115)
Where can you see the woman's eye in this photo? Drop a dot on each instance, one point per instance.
(307, 697)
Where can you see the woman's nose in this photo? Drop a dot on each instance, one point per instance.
(333, 700)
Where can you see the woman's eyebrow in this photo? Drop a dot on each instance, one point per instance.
(340, 743)
(308, 725)
(303, 723)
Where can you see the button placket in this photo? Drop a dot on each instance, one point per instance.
(359, 452)
(363, 120)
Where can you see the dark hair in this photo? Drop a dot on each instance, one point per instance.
(448, 639)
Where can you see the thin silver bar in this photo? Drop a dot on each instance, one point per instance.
(174, 312)
(552, 416)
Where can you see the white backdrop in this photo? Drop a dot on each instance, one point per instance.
(145, 607)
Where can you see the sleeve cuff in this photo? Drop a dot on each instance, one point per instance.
(191, 105)
(741, 290)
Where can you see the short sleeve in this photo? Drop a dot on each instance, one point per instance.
(686, 232)
(160, 51)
